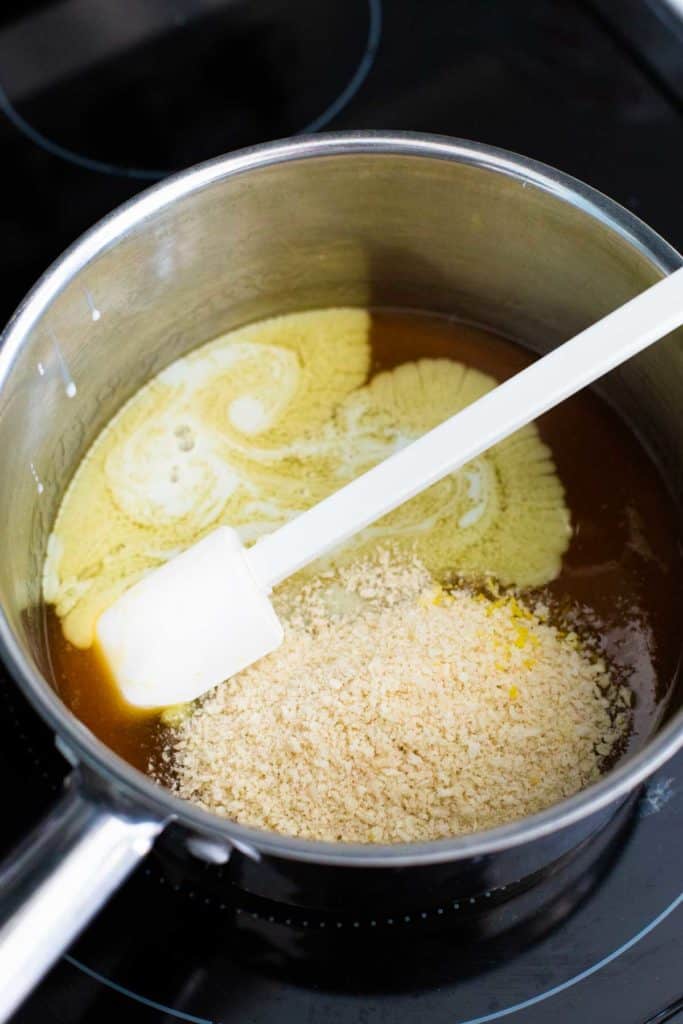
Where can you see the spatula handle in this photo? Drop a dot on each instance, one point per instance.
(547, 382)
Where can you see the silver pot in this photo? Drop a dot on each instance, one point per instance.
(359, 219)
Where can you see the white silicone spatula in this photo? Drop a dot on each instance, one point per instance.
(205, 615)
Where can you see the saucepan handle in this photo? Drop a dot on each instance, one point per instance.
(57, 880)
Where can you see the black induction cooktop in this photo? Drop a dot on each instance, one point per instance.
(100, 100)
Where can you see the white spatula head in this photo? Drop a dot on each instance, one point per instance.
(183, 628)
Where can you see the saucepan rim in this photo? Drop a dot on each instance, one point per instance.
(124, 783)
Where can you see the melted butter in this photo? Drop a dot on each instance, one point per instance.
(620, 572)
(200, 445)
(211, 439)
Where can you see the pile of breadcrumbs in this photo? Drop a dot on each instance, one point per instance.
(396, 711)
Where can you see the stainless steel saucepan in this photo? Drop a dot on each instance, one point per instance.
(355, 219)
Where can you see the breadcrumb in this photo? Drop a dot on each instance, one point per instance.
(397, 711)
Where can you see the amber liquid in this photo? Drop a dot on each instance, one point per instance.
(621, 577)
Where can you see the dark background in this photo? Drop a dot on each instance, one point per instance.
(593, 88)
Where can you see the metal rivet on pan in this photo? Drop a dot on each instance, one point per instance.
(210, 850)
